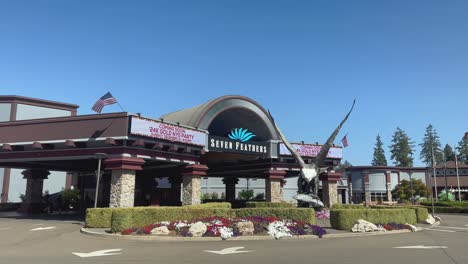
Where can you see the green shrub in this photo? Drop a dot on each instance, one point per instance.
(299, 214)
(347, 206)
(268, 205)
(98, 217)
(421, 212)
(123, 218)
(448, 210)
(210, 205)
(246, 194)
(344, 219)
(463, 204)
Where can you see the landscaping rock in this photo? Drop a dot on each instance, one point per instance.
(430, 220)
(197, 229)
(162, 230)
(413, 228)
(246, 228)
(364, 226)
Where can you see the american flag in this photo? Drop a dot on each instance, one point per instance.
(344, 141)
(107, 99)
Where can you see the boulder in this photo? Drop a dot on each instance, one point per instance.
(197, 229)
(364, 226)
(162, 230)
(246, 228)
(413, 228)
(430, 220)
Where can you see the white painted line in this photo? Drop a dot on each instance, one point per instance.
(422, 247)
(4, 228)
(226, 251)
(451, 227)
(466, 225)
(440, 230)
(42, 228)
(99, 253)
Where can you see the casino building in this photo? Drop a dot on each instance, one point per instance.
(170, 160)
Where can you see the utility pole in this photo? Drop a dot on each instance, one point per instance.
(458, 177)
(445, 176)
(434, 176)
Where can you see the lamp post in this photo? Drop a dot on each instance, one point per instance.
(98, 173)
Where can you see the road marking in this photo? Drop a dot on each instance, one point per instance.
(452, 227)
(422, 247)
(466, 225)
(99, 253)
(226, 251)
(4, 228)
(42, 228)
(441, 230)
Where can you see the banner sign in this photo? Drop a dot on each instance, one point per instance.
(155, 129)
(306, 150)
(222, 144)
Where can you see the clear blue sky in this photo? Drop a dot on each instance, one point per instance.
(406, 62)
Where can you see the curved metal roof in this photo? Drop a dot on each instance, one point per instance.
(202, 115)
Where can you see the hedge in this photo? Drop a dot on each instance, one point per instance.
(348, 206)
(448, 210)
(211, 205)
(98, 217)
(298, 214)
(268, 205)
(5, 207)
(344, 219)
(463, 204)
(421, 212)
(123, 218)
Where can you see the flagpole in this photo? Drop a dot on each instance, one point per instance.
(458, 177)
(123, 110)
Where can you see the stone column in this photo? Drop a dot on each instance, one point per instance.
(33, 197)
(273, 185)
(367, 192)
(176, 189)
(191, 183)
(330, 187)
(230, 183)
(388, 180)
(347, 197)
(122, 191)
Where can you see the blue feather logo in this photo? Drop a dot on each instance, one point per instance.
(240, 134)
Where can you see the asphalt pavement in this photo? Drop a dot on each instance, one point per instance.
(46, 240)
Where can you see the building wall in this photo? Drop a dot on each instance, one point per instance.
(56, 181)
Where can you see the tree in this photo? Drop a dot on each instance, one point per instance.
(448, 153)
(402, 191)
(379, 154)
(402, 149)
(430, 142)
(462, 150)
(342, 166)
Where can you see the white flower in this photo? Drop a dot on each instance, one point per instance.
(278, 229)
(165, 223)
(225, 232)
(180, 225)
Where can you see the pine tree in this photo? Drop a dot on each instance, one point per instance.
(462, 150)
(430, 142)
(402, 149)
(379, 154)
(448, 153)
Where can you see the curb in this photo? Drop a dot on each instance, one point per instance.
(90, 232)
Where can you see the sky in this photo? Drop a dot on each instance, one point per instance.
(405, 62)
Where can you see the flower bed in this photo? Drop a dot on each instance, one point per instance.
(231, 227)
